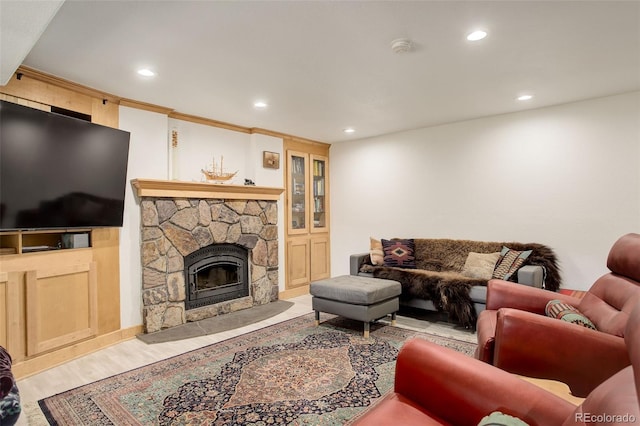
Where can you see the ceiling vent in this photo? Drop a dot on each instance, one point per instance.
(401, 45)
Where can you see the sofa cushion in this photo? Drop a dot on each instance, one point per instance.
(480, 265)
(399, 253)
(376, 254)
(509, 262)
(557, 309)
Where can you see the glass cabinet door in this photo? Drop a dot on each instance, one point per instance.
(298, 192)
(319, 199)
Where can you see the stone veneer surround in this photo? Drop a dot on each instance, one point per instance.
(175, 227)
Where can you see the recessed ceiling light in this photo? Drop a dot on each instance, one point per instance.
(146, 72)
(349, 130)
(260, 104)
(525, 97)
(477, 35)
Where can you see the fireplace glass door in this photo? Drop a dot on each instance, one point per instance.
(216, 274)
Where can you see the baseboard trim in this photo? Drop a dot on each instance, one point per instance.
(293, 292)
(29, 367)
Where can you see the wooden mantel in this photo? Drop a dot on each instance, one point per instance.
(182, 189)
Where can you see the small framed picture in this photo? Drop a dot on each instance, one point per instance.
(270, 160)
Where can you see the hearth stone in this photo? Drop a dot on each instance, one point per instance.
(219, 309)
(174, 228)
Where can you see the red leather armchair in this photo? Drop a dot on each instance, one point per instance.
(515, 335)
(437, 386)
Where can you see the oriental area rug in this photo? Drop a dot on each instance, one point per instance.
(291, 373)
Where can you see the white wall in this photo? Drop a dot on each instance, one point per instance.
(566, 176)
(152, 157)
(199, 145)
(148, 158)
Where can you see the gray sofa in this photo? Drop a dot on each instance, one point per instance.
(439, 266)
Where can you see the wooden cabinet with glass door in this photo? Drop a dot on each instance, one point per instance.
(297, 192)
(307, 215)
(319, 202)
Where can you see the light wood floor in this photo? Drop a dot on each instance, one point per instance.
(134, 353)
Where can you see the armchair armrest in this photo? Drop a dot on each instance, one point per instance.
(539, 346)
(461, 390)
(355, 260)
(505, 294)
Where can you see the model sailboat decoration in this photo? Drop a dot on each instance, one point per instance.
(215, 173)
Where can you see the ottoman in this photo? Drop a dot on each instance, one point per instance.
(358, 298)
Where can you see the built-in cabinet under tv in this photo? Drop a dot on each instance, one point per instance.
(57, 289)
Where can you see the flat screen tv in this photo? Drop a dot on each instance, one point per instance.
(59, 172)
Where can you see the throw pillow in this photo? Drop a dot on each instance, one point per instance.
(10, 407)
(375, 251)
(509, 262)
(557, 309)
(399, 253)
(480, 265)
(498, 418)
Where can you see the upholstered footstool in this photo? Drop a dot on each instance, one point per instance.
(358, 298)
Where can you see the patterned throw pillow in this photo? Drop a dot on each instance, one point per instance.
(498, 418)
(557, 309)
(480, 265)
(10, 407)
(399, 253)
(509, 262)
(375, 251)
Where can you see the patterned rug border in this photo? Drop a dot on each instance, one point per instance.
(264, 336)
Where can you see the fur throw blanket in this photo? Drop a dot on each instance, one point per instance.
(438, 275)
(449, 291)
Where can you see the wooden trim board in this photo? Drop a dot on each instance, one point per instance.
(181, 189)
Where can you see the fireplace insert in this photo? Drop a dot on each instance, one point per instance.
(216, 273)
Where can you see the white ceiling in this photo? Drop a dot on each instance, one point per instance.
(323, 66)
(21, 24)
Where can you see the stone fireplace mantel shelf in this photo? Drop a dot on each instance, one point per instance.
(183, 189)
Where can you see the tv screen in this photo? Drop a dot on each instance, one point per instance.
(59, 172)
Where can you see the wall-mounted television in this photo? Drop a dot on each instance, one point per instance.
(59, 172)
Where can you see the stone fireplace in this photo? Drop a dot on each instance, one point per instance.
(204, 254)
